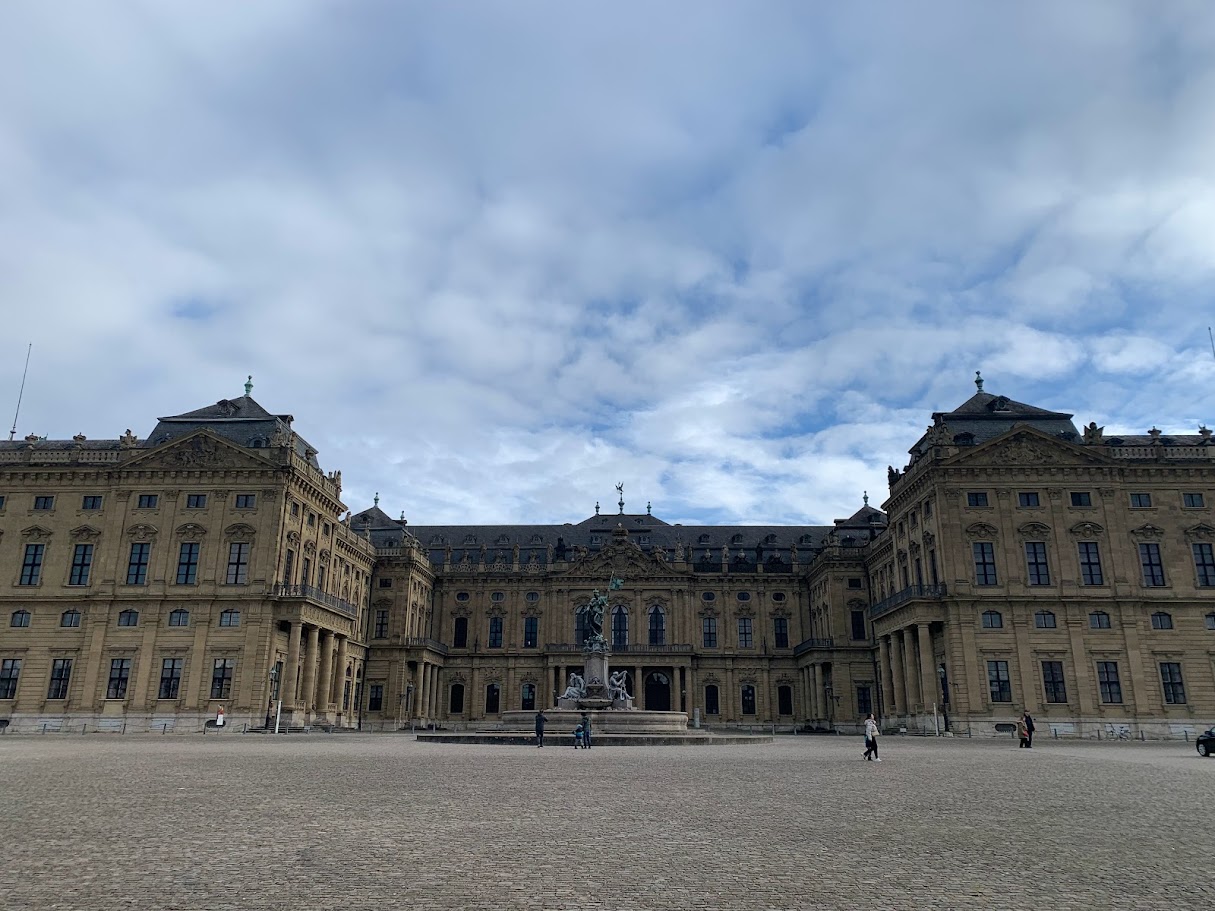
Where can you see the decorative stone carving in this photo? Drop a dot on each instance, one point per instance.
(36, 533)
(85, 533)
(1087, 530)
(1147, 531)
(191, 531)
(293, 537)
(1201, 531)
(929, 539)
(981, 530)
(240, 530)
(1034, 530)
(1093, 433)
(1054, 493)
(128, 440)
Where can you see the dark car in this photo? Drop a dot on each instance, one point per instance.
(1206, 743)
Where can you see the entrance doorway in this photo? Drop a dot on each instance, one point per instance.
(657, 692)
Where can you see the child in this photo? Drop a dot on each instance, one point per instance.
(577, 737)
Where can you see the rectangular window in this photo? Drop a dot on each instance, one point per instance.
(780, 631)
(1028, 499)
(44, 503)
(1090, 564)
(137, 565)
(246, 500)
(1174, 688)
(120, 673)
(864, 699)
(1153, 569)
(1035, 563)
(381, 624)
(31, 566)
(305, 571)
(385, 583)
(1141, 500)
(375, 701)
(985, 563)
(976, 498)
(1192, 500)
(1082, 498)
(196, 501)
(61, 677)
(855, 583)
(221, 678)
(858, 625)
(712, 706)
(1108, 682)
(531, 632)
(10, 672)
(170, 678)
(238, 563)
(82, 563)
(928, 509)
(998, 682)
(748, 699)
(1, 502)
(495, 632)
(289, 567)
(1204, 564)
(745, 639)
(90, 503)
(147, 501)
(1052, 682)
(187, 563)
(708, 629)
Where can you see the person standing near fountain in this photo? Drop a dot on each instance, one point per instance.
(540, 720)
(586, 730)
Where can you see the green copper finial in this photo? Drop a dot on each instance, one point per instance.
(866, 497)
(249, 384)
(979, 380)
(377, 498)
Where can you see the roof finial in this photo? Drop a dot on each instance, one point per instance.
(866, 497)
(979, 380)
(377, 498)
(596, 507)
(249, 384)
(648, 508)
(620, 490)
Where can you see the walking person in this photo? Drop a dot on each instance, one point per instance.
(577, 737)
(586, 730)
(540, 720)
(1022, 731)
(871, 738)
(1029, 730)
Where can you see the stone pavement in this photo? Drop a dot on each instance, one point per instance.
(381, 821)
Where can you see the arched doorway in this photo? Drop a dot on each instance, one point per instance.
(657, 692)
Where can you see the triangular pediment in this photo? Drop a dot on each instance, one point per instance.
(198, 451)
(622, 558)
(1024, 446)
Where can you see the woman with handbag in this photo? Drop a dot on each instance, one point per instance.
(871, 738)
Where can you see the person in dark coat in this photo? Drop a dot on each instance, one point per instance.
(540, 719)
(1029, 730)
(586, 730)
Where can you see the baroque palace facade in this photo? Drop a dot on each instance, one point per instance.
(1019, 564)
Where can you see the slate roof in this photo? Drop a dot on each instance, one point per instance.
(241, 420)
(984, 417)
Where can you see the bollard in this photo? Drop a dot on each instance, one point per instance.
(164, 729)
(1187, 735)
(124, 727)
(44, 727)
(1054, 732)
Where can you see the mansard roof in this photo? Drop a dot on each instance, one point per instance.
(240, 420)
(984, 417)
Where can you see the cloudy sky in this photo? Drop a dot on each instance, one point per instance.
(497, 257)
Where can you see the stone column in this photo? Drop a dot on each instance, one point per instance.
(911, 668)
(928, 670)
(339, 684)
(898, 698)
(639, 686)
(311, 656)
(326, 673)
(432, 688)
(287, 686)
(820, 695)
(884, 675)
(419, 682)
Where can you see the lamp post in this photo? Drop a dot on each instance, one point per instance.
(944, 675)
(270, 695)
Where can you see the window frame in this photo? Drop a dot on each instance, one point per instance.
(1151, 565)
(708, 632)
(20, 618)
(992, 619)
(1109, 683)
(239, 553)
(1080, 499)
(1028, 499)
(91, 503)
(82, 565)
(188, 554)
(496, 632)
(229, 618)
(1204, 564)
(1099, 619)
(1091, 572)
(44, 503)
(977, 499)
(1193, 500)
(138, 558)
(10, 677)
(1162, 620)
(170, 678)
(1172, 683)
(178, 618)
(31, 565)
(246, 501)
(119, 680)
(74, 614)
(746, 632)
(60, 680)
(999, 683)
(1045, 619)
(780, 632)
(1037, 563)
(196, 501)
(128, 618)
(147, 501)
(1054, 685)
(381, 624)
(984, 554)
(1140, 500)
(223, 670)
(531, 632)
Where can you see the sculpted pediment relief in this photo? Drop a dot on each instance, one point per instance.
(36, 533)
(1025, 446)
(141, 531)
(191, 531)
(1201, 531)
(1087, 530)
(85, 533)
(981, 530)
(240, 530)
(1034, 530)
(198, 451)
(619, 557)
(1147, 531)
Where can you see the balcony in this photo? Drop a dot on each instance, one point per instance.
(419, 642)
(810, 644)
(279, 590)
(910, 593)
(551, 647)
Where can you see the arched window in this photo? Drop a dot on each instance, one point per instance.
(1044, 619)
(658, 626)
(1162, 620)
(493, 699)
(230, 617)
(128, 618)
(620, 627)
(20, 618)
(179, 617)
(748, 699)
(703, 539)
(736, 539)
(455, 702)
(70, 618)
(1099, 619)
(582, 629)
(992, 619)
(529, 697)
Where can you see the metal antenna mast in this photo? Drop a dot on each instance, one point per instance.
(12, 433)
(1212, 341)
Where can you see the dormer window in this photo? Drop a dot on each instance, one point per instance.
(470, 539)
(703, 539)
(964, 439)
(736, 539)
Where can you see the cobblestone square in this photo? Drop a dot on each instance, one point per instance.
(376, 821)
